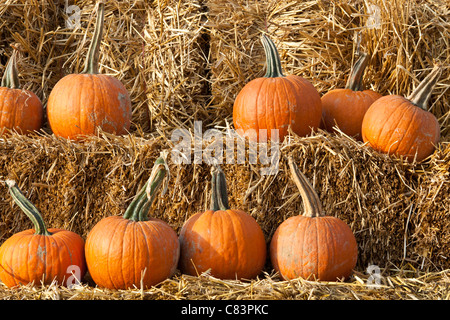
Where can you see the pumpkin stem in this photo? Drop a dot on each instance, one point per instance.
(273, 61)
(355, 82)
(28, 208)
(140, 206)
(311, 201)
(219, 194)
(11, 78)
(422, 93)
(91, 66)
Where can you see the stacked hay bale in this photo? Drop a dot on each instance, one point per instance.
(398, 214)
(186, 61)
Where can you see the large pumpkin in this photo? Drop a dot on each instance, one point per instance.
(402, 126)
(227, 241)
(345, 108)
(133, 250)
(312, 246)
(40, 255)
(20, 110)
(79, 104)
(276, 102)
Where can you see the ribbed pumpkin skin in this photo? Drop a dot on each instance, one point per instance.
(20, 110)
(79, 103)
(118, 251)
(230, 242)
(319, 248)
(277, 103)
(25, 257)
(346, 109)
(394, 125)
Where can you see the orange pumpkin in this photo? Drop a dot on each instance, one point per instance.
(134, 250)
(402, 126)
(345, 108)
(20, 110)
(276, 102)
(79, 104)
(228, 241)
(40, 255)
(312, 246)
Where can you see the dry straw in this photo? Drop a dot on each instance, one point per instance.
(321, 40)
(186, 61)
(403, 285)
(398, 211)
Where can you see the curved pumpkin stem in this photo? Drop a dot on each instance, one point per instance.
(273, 61)
(140, 206)
(11, 78)
(422, 93)
(219, 194)
(91, 66)
(28, 208)
(311, 201)
(355, 82)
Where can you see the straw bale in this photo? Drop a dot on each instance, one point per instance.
(320, 41)
(430, 217)
(76, 184)
(175, 64)
(154, 48)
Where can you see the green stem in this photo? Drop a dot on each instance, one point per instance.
(311, 201)
(219, 194)
(11, 78)
(355, 82)
(422, 93)
(28, 208)
(140, 206)
(91, 66)
(273, 61)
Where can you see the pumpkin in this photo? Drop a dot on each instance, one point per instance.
(346, 107)
(134, 250)
(312, 245)
(80, 104)
(40, 255)
(403, 126)
(21, 110)
(227, 241)
(276, 102)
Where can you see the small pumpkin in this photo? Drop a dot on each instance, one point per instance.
(20, 110)
(40, 255)
(79, 104)
(276, 101)
(227, 241)
(312, 245)
(134, 250)
(403, 126)
(345, 108)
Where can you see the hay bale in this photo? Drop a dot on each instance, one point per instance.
(154, 48)
(320, 41)
(76, 184)
(175, 64)
(73, 185)
(430, 221)
(186, 61)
